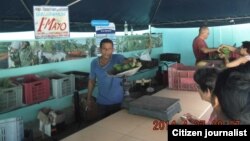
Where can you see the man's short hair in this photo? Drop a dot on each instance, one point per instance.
(106, 40)
(246, 44)
(202, 28)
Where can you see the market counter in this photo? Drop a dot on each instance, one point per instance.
(123, 126)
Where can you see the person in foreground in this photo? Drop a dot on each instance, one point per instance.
(206, 79)
(233, 92)
(110, 91)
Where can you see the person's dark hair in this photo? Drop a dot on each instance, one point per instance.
(206, 78)
(246, 44)
(106, 40)
(233, 92)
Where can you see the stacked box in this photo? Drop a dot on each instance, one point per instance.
(49, 118)
(61, 84)
(81, 79)
(180, 77)
(10, 98)
(35, 89)
(11, 129)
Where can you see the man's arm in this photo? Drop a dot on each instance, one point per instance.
(237, 62)
(208, 50)
(91, 86)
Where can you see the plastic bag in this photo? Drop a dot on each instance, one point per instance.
(145, 56)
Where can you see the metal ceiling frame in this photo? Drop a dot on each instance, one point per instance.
(230, 20)
(26, 8)
(46, 3)
(74, 2)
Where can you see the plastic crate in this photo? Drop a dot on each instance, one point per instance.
(81, 79)
(11, 129)
(10, 98)
(35, 89)
(61, 84)
(180, 77)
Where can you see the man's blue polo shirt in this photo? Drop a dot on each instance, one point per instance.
(110, 90)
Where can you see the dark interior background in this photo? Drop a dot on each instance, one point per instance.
(17, 15)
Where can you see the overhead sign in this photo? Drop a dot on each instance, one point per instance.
(106, 32)
(99, 22)
(51, 21)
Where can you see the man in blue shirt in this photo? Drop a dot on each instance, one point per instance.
(110, 91)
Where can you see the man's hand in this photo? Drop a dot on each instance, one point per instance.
(190, 119)
(89, 105)
(231, 48)
(220, 48)
(221, 55)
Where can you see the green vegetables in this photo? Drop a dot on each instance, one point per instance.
(126, 67)
(225, 51)
(5, 83)
(122, 67)
(118, 68)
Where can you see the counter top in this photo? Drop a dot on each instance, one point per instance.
(123, 126)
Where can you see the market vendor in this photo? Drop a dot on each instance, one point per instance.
(200, 48)
(110, 90)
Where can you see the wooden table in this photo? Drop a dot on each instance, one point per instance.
(122, 126)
